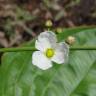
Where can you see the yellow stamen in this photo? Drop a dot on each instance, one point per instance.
(49, 53)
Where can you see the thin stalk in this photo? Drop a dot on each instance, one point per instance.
(16, 49)
(83, 48)
(20, 49)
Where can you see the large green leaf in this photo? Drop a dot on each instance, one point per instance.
(18, 77)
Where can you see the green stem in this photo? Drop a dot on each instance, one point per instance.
(83, 48)
(16, 49)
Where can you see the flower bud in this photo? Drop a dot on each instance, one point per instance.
(59, 30)
(48, 23)
(70, 40)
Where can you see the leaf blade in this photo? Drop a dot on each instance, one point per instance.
(28, 80)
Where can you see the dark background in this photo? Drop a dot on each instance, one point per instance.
(22, 20)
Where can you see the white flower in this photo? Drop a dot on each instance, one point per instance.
(49, 50)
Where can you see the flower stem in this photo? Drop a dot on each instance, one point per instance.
(21, 49)
(16, 49)
(83, 48)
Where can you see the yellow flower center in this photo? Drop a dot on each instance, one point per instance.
(49, 53)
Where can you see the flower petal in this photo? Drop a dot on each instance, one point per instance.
(46, 40)
(41, 61)
(42, 44)
(50, 35)
(61, 53)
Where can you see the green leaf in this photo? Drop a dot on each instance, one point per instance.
(18, 77)
(71, 31)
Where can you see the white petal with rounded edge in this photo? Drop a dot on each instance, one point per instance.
(61, 53)
(42, 44)
(45, 41)
(41, 61)
(50, 35)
